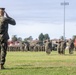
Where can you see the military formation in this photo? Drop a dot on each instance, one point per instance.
(48, 46)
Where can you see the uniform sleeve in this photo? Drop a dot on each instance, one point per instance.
(11, 21)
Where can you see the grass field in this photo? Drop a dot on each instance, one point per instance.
(39, 63)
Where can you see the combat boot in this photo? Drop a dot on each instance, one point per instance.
(1, 67)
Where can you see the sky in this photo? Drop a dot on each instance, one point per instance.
(41, 16)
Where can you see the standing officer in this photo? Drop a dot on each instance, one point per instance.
(63, 46)
(4, 21)
(71, 46)
(48, 46)
(58, 46)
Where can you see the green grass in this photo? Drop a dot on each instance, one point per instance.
(39, 63)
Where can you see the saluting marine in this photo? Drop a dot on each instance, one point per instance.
(4, 21)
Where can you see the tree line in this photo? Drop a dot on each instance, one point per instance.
(41, 37)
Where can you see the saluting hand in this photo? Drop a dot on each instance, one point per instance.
(6, 14)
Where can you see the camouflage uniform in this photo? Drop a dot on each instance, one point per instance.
(48, 47)
(62, 47)
(58, 47)
(71, 47)
(4, 21)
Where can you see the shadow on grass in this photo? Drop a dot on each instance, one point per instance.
(22, 68)
(70, 54)
(19, 67)
(62, 54)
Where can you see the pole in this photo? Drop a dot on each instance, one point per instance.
(64, 22)
(64, 3)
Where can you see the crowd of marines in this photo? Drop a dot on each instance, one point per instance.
(47, 46)
(63, 45)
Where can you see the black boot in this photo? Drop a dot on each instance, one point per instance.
(1, 67)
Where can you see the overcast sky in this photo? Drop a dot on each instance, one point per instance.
(41, 16)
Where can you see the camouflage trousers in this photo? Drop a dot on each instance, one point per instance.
(71, 50)
(59, 51)
(3, 52)
(48, 51)
(62, 51)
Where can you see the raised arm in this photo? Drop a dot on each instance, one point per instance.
(10, 20)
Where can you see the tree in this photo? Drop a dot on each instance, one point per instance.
(74, 37)
(14, 38)
(46, 36)
(28, 39)
(41, 37)
(62, 37)
(25, 40)
(19, 39)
